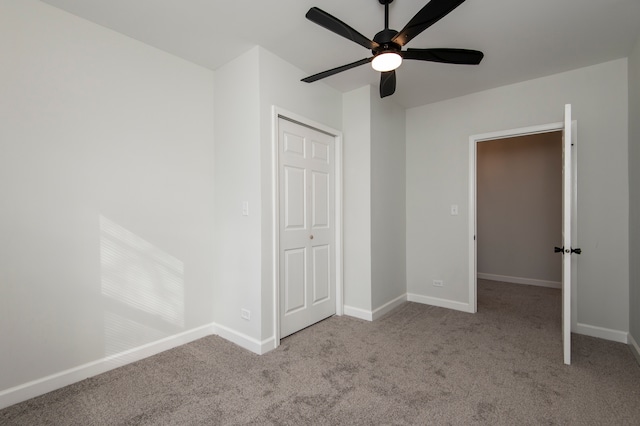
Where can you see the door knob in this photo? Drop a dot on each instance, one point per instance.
(311, 237)
(568, 251)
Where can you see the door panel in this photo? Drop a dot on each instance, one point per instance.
(321, 271)
(293, 145)
(320, 151)
(306, 234)
(294, 198)
(294, 279)
(321, 204)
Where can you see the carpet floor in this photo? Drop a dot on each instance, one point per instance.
(417, 365)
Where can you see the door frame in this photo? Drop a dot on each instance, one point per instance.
(276, 114)
(474, 140)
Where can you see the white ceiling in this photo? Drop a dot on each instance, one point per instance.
(521, 39)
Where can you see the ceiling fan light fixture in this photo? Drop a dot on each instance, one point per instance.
(386, 61)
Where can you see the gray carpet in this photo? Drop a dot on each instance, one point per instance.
(417, 365)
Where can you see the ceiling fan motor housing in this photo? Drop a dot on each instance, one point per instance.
(383, 38)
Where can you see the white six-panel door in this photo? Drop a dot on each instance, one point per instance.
(306, 230)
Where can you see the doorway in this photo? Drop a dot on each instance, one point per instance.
(568, 128)
(307, 223)
(519, 209)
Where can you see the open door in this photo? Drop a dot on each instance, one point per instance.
(567, 218)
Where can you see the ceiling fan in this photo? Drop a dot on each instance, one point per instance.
(387, 44)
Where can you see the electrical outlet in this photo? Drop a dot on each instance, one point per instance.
(438, 283)
(245, 313)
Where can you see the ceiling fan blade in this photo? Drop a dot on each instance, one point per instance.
(387, 83)
(335, 25)
(431, 13)
(448, 56)
(333, 71)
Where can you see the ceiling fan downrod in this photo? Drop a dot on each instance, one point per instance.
(384, 37)
(386, 12)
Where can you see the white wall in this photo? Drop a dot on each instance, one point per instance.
(237, 179)
(519, 208)
(634, 194)
(374, 212)
(280, 86)
(388, 202)
(246, 90)
(106, 176)
(438, 176)
(357, 198)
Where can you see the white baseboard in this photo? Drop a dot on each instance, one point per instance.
(388, 307)
(59, 380)
(442, 303)
(249, 343)
(634, 347)
(268, 345)
(362, 314)
(602, 333)
(518, 280)
(50, 383)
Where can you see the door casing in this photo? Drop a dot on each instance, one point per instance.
(276, 114)
(474, 140)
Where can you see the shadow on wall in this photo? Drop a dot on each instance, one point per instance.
(142, 289)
